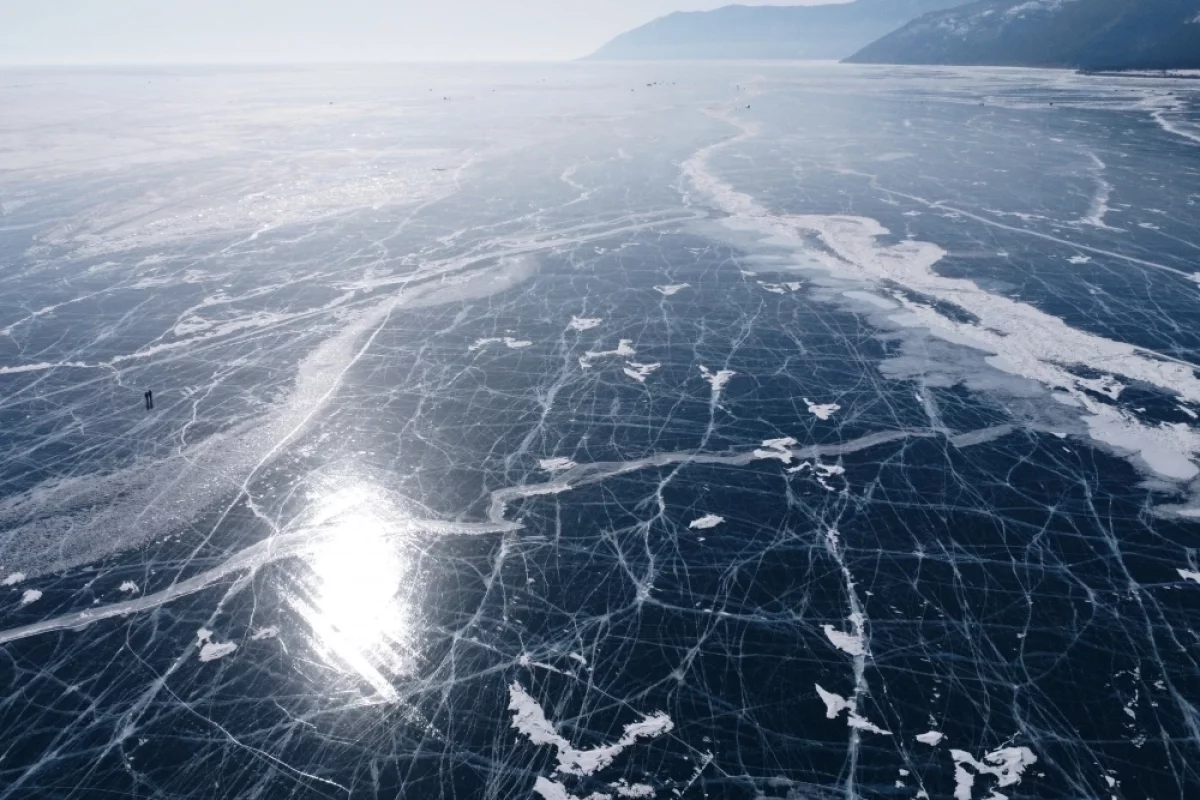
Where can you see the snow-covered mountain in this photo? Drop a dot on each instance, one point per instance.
(767, 32)
(1086, 34)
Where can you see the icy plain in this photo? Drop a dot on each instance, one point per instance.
(599, 431)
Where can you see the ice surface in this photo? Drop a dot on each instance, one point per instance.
(560, 440)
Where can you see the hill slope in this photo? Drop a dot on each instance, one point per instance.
(767, 32)
(1085, 34)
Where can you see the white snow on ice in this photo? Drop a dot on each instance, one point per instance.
(530, 720)
(835, 704)
(210, 650)
(639, 372)
(1007, 765)
(822, 411)
(855, 642)
(1019, 338)
(584, 323)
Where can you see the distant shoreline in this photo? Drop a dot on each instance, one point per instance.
(1177, 74)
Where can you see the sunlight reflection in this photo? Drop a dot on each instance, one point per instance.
(358, 596)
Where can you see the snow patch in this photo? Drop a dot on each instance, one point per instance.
(777, 448)
(639, 372)
(584, 323)
(1189, 575)
(1106, 385)
(553, 790)
(624, 349)
(1007, 765)
(717, 379)
(671, 288)
(1020, 338)
(14, 578)
(556, 464)
(933, 738)
(781, 288)
(632, 789)
(30, 596)
(855, 642)
(509, 342)
(835, 704)
(822, 411)
(862, 724)
(128, 586)
(822, 472)
(706, 522)
(210, 650)
(530, 720)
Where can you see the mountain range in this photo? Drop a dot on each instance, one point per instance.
(767, 32)
(1082, 34)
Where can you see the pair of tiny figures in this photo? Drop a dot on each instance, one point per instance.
(149, 398)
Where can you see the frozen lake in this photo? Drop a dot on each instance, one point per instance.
(599, 431)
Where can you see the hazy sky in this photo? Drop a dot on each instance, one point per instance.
(239, 31)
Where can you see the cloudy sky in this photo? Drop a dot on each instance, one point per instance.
(255, 31)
